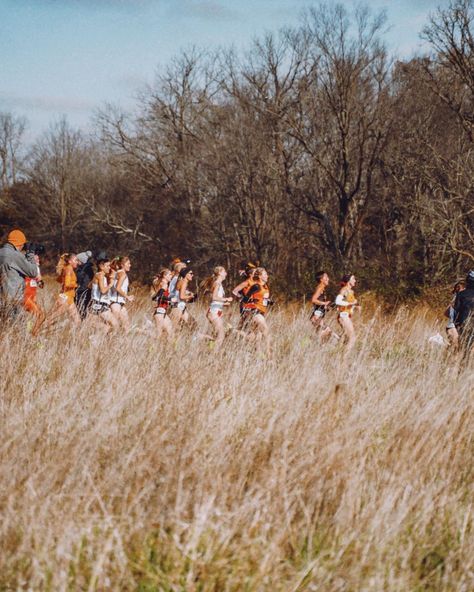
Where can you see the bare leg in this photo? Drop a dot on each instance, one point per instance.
(60, 308)
(74, 314)
(110, 319)
(163, 324)
(39, 320)
(453, 337)
(125, 318)
(346, 324)
(261, 330)
(176, 316)
(217, 323)
(121, 314)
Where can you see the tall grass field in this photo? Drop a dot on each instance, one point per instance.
(132, 464)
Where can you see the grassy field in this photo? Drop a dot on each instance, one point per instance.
(127, 464)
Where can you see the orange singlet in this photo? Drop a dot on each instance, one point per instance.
(69, 283)
(29, 302)
(349, 296)
(259, 295)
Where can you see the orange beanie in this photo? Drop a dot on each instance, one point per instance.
(17, 238)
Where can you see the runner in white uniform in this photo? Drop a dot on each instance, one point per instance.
(119, 292)
(175, 313)
(100, 294)
(215, 313)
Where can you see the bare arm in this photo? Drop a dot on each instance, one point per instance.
(315, 299)
(121, 278)
(238, 289)
(341, 299)
(104, 285)
(183, 291)
(215, 293)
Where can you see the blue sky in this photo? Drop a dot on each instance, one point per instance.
(69, 57)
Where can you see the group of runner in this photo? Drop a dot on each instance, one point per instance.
(101, 293)
(98, 288)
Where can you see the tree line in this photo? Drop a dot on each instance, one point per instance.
(313, 149)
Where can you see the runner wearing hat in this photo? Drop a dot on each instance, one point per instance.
(85, 275)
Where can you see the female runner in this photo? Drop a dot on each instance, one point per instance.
(66, 276)
(29, 303)
(161, 296)
(119, 295)
(184, 294)
(100, 295)
(345, 302)
(241, 290)
(255, 306)
(321, 304)
(218, 301)
(175, 313)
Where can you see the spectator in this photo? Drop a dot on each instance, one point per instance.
(15, 266)
(464, 314)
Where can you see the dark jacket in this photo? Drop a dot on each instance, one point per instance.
(464, 308)
(84, 274)
(14, 268)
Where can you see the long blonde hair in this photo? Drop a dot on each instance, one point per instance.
(63, 261)
(257, 274)
(158, 278)
(207, 285)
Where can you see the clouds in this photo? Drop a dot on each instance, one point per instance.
(130, 81)
(94, 4)
(205, 9)
(46, 103)
(71, 56)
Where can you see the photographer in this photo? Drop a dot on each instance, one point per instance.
(464, 315)
(15, 266)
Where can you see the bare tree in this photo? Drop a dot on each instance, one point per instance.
(450, 68)
(263, 89)
(449, 74)
(57, 163)
(343, 122)
(12, 129)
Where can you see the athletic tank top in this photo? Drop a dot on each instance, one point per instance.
(348, 297)
(321, 307)
(97, 295)
(114, 295)
(259, 296)
(216, 304)
(162, 299)
(174, 294)
(31, 285)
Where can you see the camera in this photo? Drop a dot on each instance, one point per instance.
(35, 248)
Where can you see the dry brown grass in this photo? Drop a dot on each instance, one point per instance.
(128, 465)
